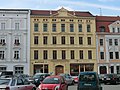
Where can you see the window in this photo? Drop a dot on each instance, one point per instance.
(118, 69)
(2, 41)
(102, 29)
(35, 27)
(81, 54)
(117, 55)
(116, 41)
(63, 40)
(2, 68)
(101, 42)
(35, 54)
(111, 55)
(118, 30)
(45, 54)
(3, 26)
(80, 40)
(89, 54)
(54, 40)
(17, 26)
(16, 54)
(101, 55)
(35, 39)
(72, 54)
(54, 54)
(113, 29)
(71, 27)
(54, 27)
(89, 40)
(45, 39)
(110, 41)
(71, 40)
(2, 55)
(62, 27)
(17, 41)
(44, 27)
(63, 54)
(112, 69)
(80, 27)
(19, 70)
(88, 28)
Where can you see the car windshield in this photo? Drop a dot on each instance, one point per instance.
(52, 80)
(87, 77)
(4, 81)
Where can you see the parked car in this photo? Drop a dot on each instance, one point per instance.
(101, 78)
(16, 83)
(111, 79)
(53, 83)
(75, 79)
(89, 81)
(6, 74)
(25, 76)
(69, 79)
(39, 77)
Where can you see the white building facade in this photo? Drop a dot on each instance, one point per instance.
(15, 40)
(108, 45)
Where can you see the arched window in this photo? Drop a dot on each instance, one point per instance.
(102, 29)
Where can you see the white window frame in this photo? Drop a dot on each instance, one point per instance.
(3, 25)
(2, 54)
(15, 53)
(19, 69)
(17, 26)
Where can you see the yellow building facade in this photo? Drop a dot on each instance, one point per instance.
(62, 41)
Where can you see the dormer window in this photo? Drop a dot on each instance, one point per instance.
(113, 30)
(102, 29)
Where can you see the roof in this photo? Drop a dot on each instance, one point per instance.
(14, 9)
(52, 12)
(105, 21)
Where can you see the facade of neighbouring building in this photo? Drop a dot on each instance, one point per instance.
(15, 40)
(62, 41)
(108, 44)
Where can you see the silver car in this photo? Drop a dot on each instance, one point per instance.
(16, 83)
(69, 79)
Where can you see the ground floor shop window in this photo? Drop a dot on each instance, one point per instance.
(103, 70)
(112, 69)
(118, 69)
(2, 69)
(89, 67)
(75, 69)
(19, 69)
(41, 68)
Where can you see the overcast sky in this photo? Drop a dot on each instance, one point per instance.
(96, 7)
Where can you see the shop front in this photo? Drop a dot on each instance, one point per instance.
(75, 69)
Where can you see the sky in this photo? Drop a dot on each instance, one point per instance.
(96, 7)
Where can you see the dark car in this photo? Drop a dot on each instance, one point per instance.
(88, 81)
(111, 79)
(53, 83)
(39, 77)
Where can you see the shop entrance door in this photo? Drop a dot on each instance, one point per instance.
(59, 69)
